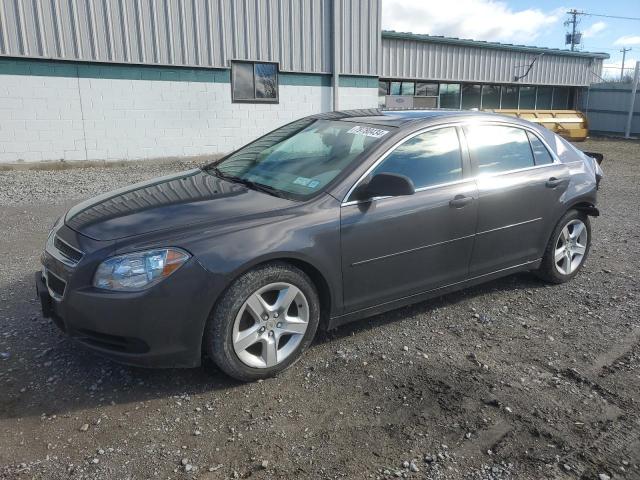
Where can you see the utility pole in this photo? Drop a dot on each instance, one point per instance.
(573, 22)
(624, 54)
(632, 99)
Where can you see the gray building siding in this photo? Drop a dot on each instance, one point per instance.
(445, 61)
(196, 33)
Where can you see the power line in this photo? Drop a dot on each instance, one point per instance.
(608, 16)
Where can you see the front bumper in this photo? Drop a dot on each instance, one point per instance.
(158, 327)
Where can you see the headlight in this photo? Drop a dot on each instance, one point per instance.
(55, 226)
(139, 270)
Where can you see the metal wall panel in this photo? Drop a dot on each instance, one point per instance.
(607, 108)
(413, 59)
(207, 33)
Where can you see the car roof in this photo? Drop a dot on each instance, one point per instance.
(405, 118)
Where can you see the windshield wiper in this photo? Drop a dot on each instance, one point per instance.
(247, 183)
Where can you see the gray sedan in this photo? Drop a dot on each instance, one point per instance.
(329, 219)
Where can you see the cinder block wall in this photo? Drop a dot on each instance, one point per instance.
(68, 111)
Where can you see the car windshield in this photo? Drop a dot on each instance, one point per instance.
(299, 159)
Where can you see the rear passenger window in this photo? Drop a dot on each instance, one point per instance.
(497, 148)
(540, 152)
(428, 159)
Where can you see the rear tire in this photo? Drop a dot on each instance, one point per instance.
(567, 249)
(263, 322)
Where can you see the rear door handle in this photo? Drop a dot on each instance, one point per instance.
(553, 182)
(460, 201)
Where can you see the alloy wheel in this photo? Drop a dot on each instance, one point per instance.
(571, 247)
(270, 325)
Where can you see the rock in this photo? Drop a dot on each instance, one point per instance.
(84, 427)
(188, 467)
(405, 464)
(508, 409)
(428, 459)
(264, 464)
(197, 433)
(405, 348)
(184, 461)
(603, 476)
(95, 461)
(567, 467)
(413, 467)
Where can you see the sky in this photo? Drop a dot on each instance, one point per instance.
(526, 22)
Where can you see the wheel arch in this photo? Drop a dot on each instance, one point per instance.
(326, 295)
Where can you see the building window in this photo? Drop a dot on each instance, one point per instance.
(383, 88)
(402, 88)
(543, 100)
(408, 88)
(424, 89)
(254, 82)
(491, 96)
(509, 97)
(471, 96)
(560, 98)
(383, 91)
(450, 95)
(527, 97)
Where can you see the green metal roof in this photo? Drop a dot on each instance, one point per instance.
(482, 44)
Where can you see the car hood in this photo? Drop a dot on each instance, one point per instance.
(179, 200)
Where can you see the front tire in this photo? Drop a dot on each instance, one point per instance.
(263, 322)
(568, 248)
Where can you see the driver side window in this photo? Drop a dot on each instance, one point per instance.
(428, 159)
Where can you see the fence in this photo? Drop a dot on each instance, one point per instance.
(607, 108)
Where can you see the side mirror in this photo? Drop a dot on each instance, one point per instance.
(386, 185)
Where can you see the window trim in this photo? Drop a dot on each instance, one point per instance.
(465, 150)
(255, 99)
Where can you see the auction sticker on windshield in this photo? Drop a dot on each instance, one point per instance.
(368, 131)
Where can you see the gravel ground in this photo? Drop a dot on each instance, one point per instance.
(512, 379)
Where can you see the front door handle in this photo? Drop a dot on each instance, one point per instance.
(460, 201)
(553, 182)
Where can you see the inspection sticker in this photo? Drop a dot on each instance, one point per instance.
(307, 182)
(304, 181)
(368, 131)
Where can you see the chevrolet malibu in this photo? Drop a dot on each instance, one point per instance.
(326, 220)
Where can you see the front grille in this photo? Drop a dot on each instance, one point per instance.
(55, 284)
(67, 250)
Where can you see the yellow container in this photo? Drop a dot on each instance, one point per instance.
(570, 124)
